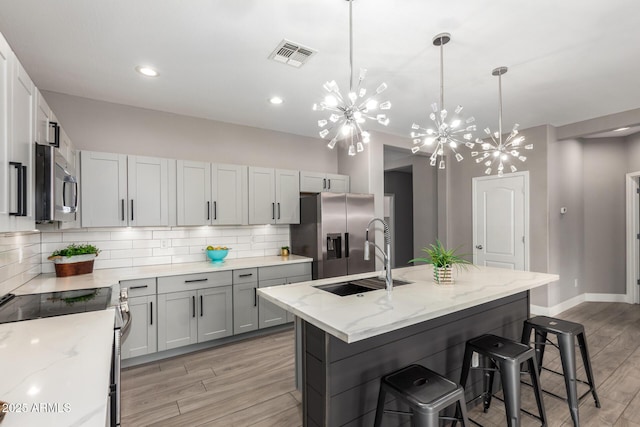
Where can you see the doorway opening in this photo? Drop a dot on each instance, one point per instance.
(411, 188)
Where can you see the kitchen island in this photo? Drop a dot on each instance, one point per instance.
(348, 343)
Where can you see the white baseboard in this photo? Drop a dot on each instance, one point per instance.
(572, 302)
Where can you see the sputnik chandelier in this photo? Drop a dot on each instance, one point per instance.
(447, 130)
(496, 150)
(349, 113)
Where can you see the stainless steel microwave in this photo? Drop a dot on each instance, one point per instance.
(56, 186)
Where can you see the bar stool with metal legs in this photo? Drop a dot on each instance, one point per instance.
(566, 333)
(425, 392)
(504, 356)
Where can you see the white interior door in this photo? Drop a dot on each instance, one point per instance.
(501, 221)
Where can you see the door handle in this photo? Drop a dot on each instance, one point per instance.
(273, 211)
(122, 209)
(215, 210)
(329, 184)
(201, 306)
(278, 210)
(255, 297)
(193, 305)
(346, 245)
(131, 209)
(196, 280)
(151, 310)
(208, 211)
(478, 246)
(324, 183)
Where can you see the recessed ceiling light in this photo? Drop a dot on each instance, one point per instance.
(146, 71)
(620, 129)
(276, 100)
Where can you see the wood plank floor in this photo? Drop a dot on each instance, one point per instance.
(251, 383)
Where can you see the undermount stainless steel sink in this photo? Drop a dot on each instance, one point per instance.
(359, 286)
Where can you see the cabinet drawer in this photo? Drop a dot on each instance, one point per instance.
(139, 287)
(246, 275)
(278, 271)
(189, 282)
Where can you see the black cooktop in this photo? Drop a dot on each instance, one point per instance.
(14, 308)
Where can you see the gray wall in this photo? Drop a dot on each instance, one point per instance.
(400, 184)
(102, 126)
(566, 232)
(605, 163)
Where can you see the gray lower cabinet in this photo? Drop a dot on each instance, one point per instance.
(142, 337)
(203, 311)
(269, 313)
(143, 332)
(245, 300)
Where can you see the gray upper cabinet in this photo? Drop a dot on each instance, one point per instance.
(120, 190)
(211, 193)
(5, 79)
(317, 182)
(274, 196)
(21, 124)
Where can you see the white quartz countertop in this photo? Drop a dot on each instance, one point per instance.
(108, 277)
(55, 371)
(357, 317)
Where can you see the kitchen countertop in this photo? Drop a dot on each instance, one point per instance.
(56, 370)
(108, 277)
(357, 317)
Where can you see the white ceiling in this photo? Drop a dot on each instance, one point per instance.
(568, 60)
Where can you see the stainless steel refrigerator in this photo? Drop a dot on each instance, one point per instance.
(332, 232)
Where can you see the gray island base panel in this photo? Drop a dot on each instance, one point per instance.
(341, 380)
(348, 343)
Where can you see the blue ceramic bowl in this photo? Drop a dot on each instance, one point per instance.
(217, 255)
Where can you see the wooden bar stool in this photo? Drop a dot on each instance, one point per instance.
(504, 356)
(425, 392)
(566, 333)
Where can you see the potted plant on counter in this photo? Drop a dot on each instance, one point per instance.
(74, 259)
(443, 261)
(284, 251)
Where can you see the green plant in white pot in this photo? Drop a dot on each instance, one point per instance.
(74, 259)
(443, 261)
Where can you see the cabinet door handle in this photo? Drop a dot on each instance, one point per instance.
(324, 183)
(273, 211)
(122, 209)
(208, 211)
(329, 184)
(151, 310)
(255, 297)
(131, 209)
(278, 210)
(138, 287)
(18, 167)
(193, 305)
(246, 275)
(196, 280)
(215, 210)
(201, 306)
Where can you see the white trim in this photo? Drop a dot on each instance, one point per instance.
(572, 302)
(527, 240)
(633, 257)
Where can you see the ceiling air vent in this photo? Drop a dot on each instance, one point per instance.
(290, 53)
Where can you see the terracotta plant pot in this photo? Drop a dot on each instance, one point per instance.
(73, 266)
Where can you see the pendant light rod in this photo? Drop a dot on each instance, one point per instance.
(499, 72)
(440, 40)
(350, 46)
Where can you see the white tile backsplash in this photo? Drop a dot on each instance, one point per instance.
(20, 259)
(127, 247)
